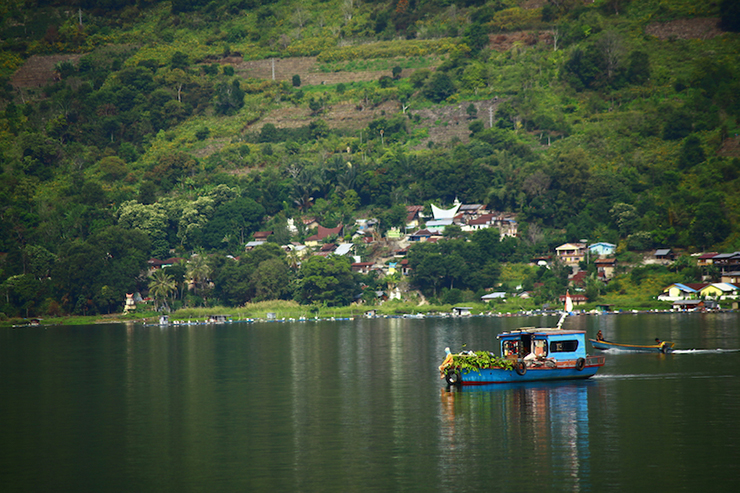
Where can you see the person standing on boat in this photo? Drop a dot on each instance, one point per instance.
(599, 336)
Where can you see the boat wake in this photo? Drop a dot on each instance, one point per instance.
(704, 351)
(657, 376)
(675, 351)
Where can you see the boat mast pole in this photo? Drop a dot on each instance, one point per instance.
(562, 319)
(568, 309)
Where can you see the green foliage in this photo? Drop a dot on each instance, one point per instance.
(439, 87)
(458, 264)
(96, 273)
(418, 78)
(229, 98)
(385, 81)
(202, 133)
(395, 217)
(232, 223)
(677, 125)
(691, 153)
(638, 71)
(515, 18)
(475, 127)
(390, 49)
(326, 280)
(161, 287)
(261, 274)
(479, 359)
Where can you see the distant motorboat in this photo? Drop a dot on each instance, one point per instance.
(662, 347)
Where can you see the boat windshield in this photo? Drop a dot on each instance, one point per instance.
(568, 346)
(539, 347)
(512, 349)
(527, 344)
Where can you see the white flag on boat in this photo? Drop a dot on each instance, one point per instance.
(568, 303)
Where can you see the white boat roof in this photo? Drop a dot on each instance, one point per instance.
(540, 330)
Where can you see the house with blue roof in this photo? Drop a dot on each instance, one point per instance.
(680, 291)
(602, 249)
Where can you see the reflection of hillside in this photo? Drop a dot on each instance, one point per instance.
(547, 425)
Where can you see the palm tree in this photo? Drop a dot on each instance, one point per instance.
(346, 181)
(161, 286)
(198, 271)
(307, 182)
(294, 259)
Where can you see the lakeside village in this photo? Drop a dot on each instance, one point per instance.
(471, 217)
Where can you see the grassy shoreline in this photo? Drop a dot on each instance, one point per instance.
(292, 310)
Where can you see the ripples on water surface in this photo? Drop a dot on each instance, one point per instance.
(359, 406)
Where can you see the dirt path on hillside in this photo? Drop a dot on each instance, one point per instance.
(39, 70)
(699, 28)
(342, 115)
(447, 122)
(308, 70)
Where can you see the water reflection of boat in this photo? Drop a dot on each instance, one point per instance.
(527, 355)
(662, 347)
(547, 422)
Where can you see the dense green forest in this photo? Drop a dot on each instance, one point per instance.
(155, 136)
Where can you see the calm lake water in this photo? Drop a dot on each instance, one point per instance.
(359, 406)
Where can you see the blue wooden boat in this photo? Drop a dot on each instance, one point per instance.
(527, 355)
(662, 347)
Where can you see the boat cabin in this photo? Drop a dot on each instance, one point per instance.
(555, 344)
(218, 319)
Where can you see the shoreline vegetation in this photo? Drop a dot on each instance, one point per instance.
(290, 310)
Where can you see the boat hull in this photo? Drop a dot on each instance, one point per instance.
(564, 371)
(665, 347)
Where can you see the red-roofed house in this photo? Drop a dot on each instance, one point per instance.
(413, 216)
(505, 223)
(579, 278)
(326, 249)
(578, 299)
(706, 259)
(697, 286)
(481, 222)
(322, 234)
(605, 267)
(362, 267)
(421, 235)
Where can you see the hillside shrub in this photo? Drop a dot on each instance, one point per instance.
(515, 19)
(390, 49)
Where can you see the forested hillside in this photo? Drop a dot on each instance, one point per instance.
(132, 130)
